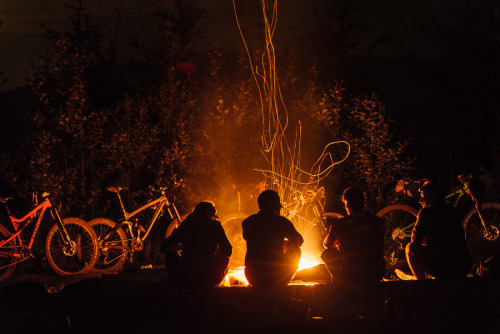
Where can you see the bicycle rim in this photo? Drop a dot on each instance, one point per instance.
(481, 245)
(112, 254)
(7, 263)
(79, 258)
(399, 221)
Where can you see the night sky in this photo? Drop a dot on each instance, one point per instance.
(21, 36)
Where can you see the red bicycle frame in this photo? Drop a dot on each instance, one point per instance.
(20, 224)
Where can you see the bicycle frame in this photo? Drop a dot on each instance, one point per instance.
(160, 204)
(458, 194)
(9, 246)
(487, 233)
(465, 190)
(25, 221)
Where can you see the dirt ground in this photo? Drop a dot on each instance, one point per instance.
(145, 301)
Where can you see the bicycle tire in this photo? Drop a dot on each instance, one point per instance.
(481, 247)
(84, 256)
(399, 221)
(232, 226)
(174, 223)
(7, 263)
(112, 254)
(332, 215)
(327, 219)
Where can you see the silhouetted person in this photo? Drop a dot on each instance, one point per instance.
(205, 249)
(438, 245)
(273, 244)
(355, 243)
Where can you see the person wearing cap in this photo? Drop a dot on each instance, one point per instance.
(354, 244)
(205, 249)
(437, 248)
(273, 244)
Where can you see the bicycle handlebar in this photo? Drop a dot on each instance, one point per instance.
(410, 187)
(465, 178)
(51, 194)
(161, 189)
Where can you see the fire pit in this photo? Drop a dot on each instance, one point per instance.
(310, 272)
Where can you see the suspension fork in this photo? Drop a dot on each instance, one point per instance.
(171, 207)
(478, 209)
(62, 229)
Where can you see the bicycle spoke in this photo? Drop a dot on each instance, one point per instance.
(8, 261)
(74, 257)
(484, 244)
(399, 221)
(113, 251)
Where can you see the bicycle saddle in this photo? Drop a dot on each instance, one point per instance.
(116, 189)
(4, 199)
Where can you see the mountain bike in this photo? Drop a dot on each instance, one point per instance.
(481, 224)
(118, 242)
(70, 245)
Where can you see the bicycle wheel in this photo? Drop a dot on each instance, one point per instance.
(77, 258)
(328, 218)
(111, 253)
(399, 222)
(7, 262)
(174, 223)
(483, 245)
(232, 227)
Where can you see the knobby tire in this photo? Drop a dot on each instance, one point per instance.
(481, 248)
(85, 256)
(7, 263)
(112, 254)
(399, 221)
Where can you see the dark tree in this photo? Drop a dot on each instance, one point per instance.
(466, 35)
(172, 28)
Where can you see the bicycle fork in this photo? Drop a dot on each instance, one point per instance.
(488, 233)
(70, 246)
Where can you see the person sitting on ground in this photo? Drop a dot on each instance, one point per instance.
(205, 249)
(437, 247)
(273, 244)
(355, 243)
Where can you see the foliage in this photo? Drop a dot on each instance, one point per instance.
(196, 132)
(64, 119)
(466, 36)
(377, 157)
(227, 133)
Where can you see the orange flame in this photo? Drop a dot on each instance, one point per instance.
(236, 277)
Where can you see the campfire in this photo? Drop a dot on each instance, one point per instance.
(236, 276)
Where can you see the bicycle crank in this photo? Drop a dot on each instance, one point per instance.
(137, 245)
